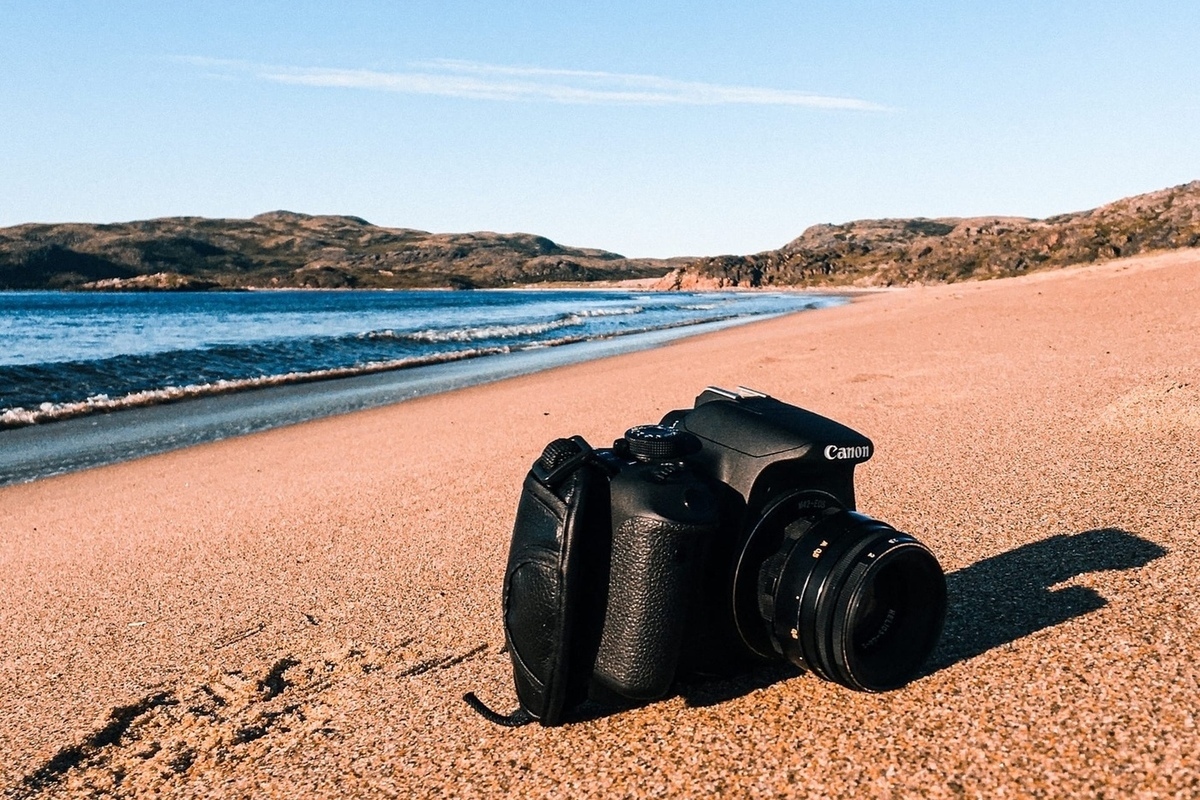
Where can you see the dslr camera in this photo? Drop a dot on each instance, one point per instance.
(721, 539)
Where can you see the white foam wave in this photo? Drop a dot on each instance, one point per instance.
(610, 312)
(47, 412)
(479, 332)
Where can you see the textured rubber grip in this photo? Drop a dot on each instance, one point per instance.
(653, 562)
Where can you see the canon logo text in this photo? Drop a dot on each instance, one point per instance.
(835, 453)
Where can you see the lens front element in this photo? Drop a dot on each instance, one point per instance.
(891, 618)
(839, 593)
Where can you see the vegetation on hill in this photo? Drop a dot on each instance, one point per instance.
(887, 252)
(284, 249)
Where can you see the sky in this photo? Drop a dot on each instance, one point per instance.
(645, 128)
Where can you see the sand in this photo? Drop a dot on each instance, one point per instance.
(299, 611)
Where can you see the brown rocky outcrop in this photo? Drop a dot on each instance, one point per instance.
(886, 252)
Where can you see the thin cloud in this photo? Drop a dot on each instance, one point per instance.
(476, 81)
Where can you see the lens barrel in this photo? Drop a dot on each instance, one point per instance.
(839, 593)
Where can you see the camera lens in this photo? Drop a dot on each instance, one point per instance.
(839, 593)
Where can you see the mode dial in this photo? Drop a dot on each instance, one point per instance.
(659, 443)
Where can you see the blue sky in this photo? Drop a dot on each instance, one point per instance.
(650, 129)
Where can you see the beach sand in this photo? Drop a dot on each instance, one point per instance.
(300, 611)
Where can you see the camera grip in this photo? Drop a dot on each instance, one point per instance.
(652, 571)
(548, 610)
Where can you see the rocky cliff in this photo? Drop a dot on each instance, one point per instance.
(886, 252)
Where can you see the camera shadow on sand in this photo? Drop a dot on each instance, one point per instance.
(993, 602)
(1006, 597)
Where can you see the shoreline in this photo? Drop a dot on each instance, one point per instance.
(97, 437)
(630, 284)
(299, 611)
(157, 374)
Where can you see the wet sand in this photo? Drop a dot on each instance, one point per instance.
(299, 611)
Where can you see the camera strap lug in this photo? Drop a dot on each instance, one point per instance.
(516, 719)
(557, 461)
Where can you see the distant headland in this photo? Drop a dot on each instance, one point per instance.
(283, 249)
(899, 252)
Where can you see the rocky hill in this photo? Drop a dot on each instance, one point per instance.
(886, 252)
(285, 249)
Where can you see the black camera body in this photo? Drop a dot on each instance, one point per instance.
(722, 538)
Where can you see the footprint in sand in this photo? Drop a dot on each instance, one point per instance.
(152, 744)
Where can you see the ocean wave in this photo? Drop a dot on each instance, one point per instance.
(611, 312)
(481, 332)
(47, 412)
(132, 381)
(475, 333)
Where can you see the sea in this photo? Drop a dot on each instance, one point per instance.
(63, 354)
